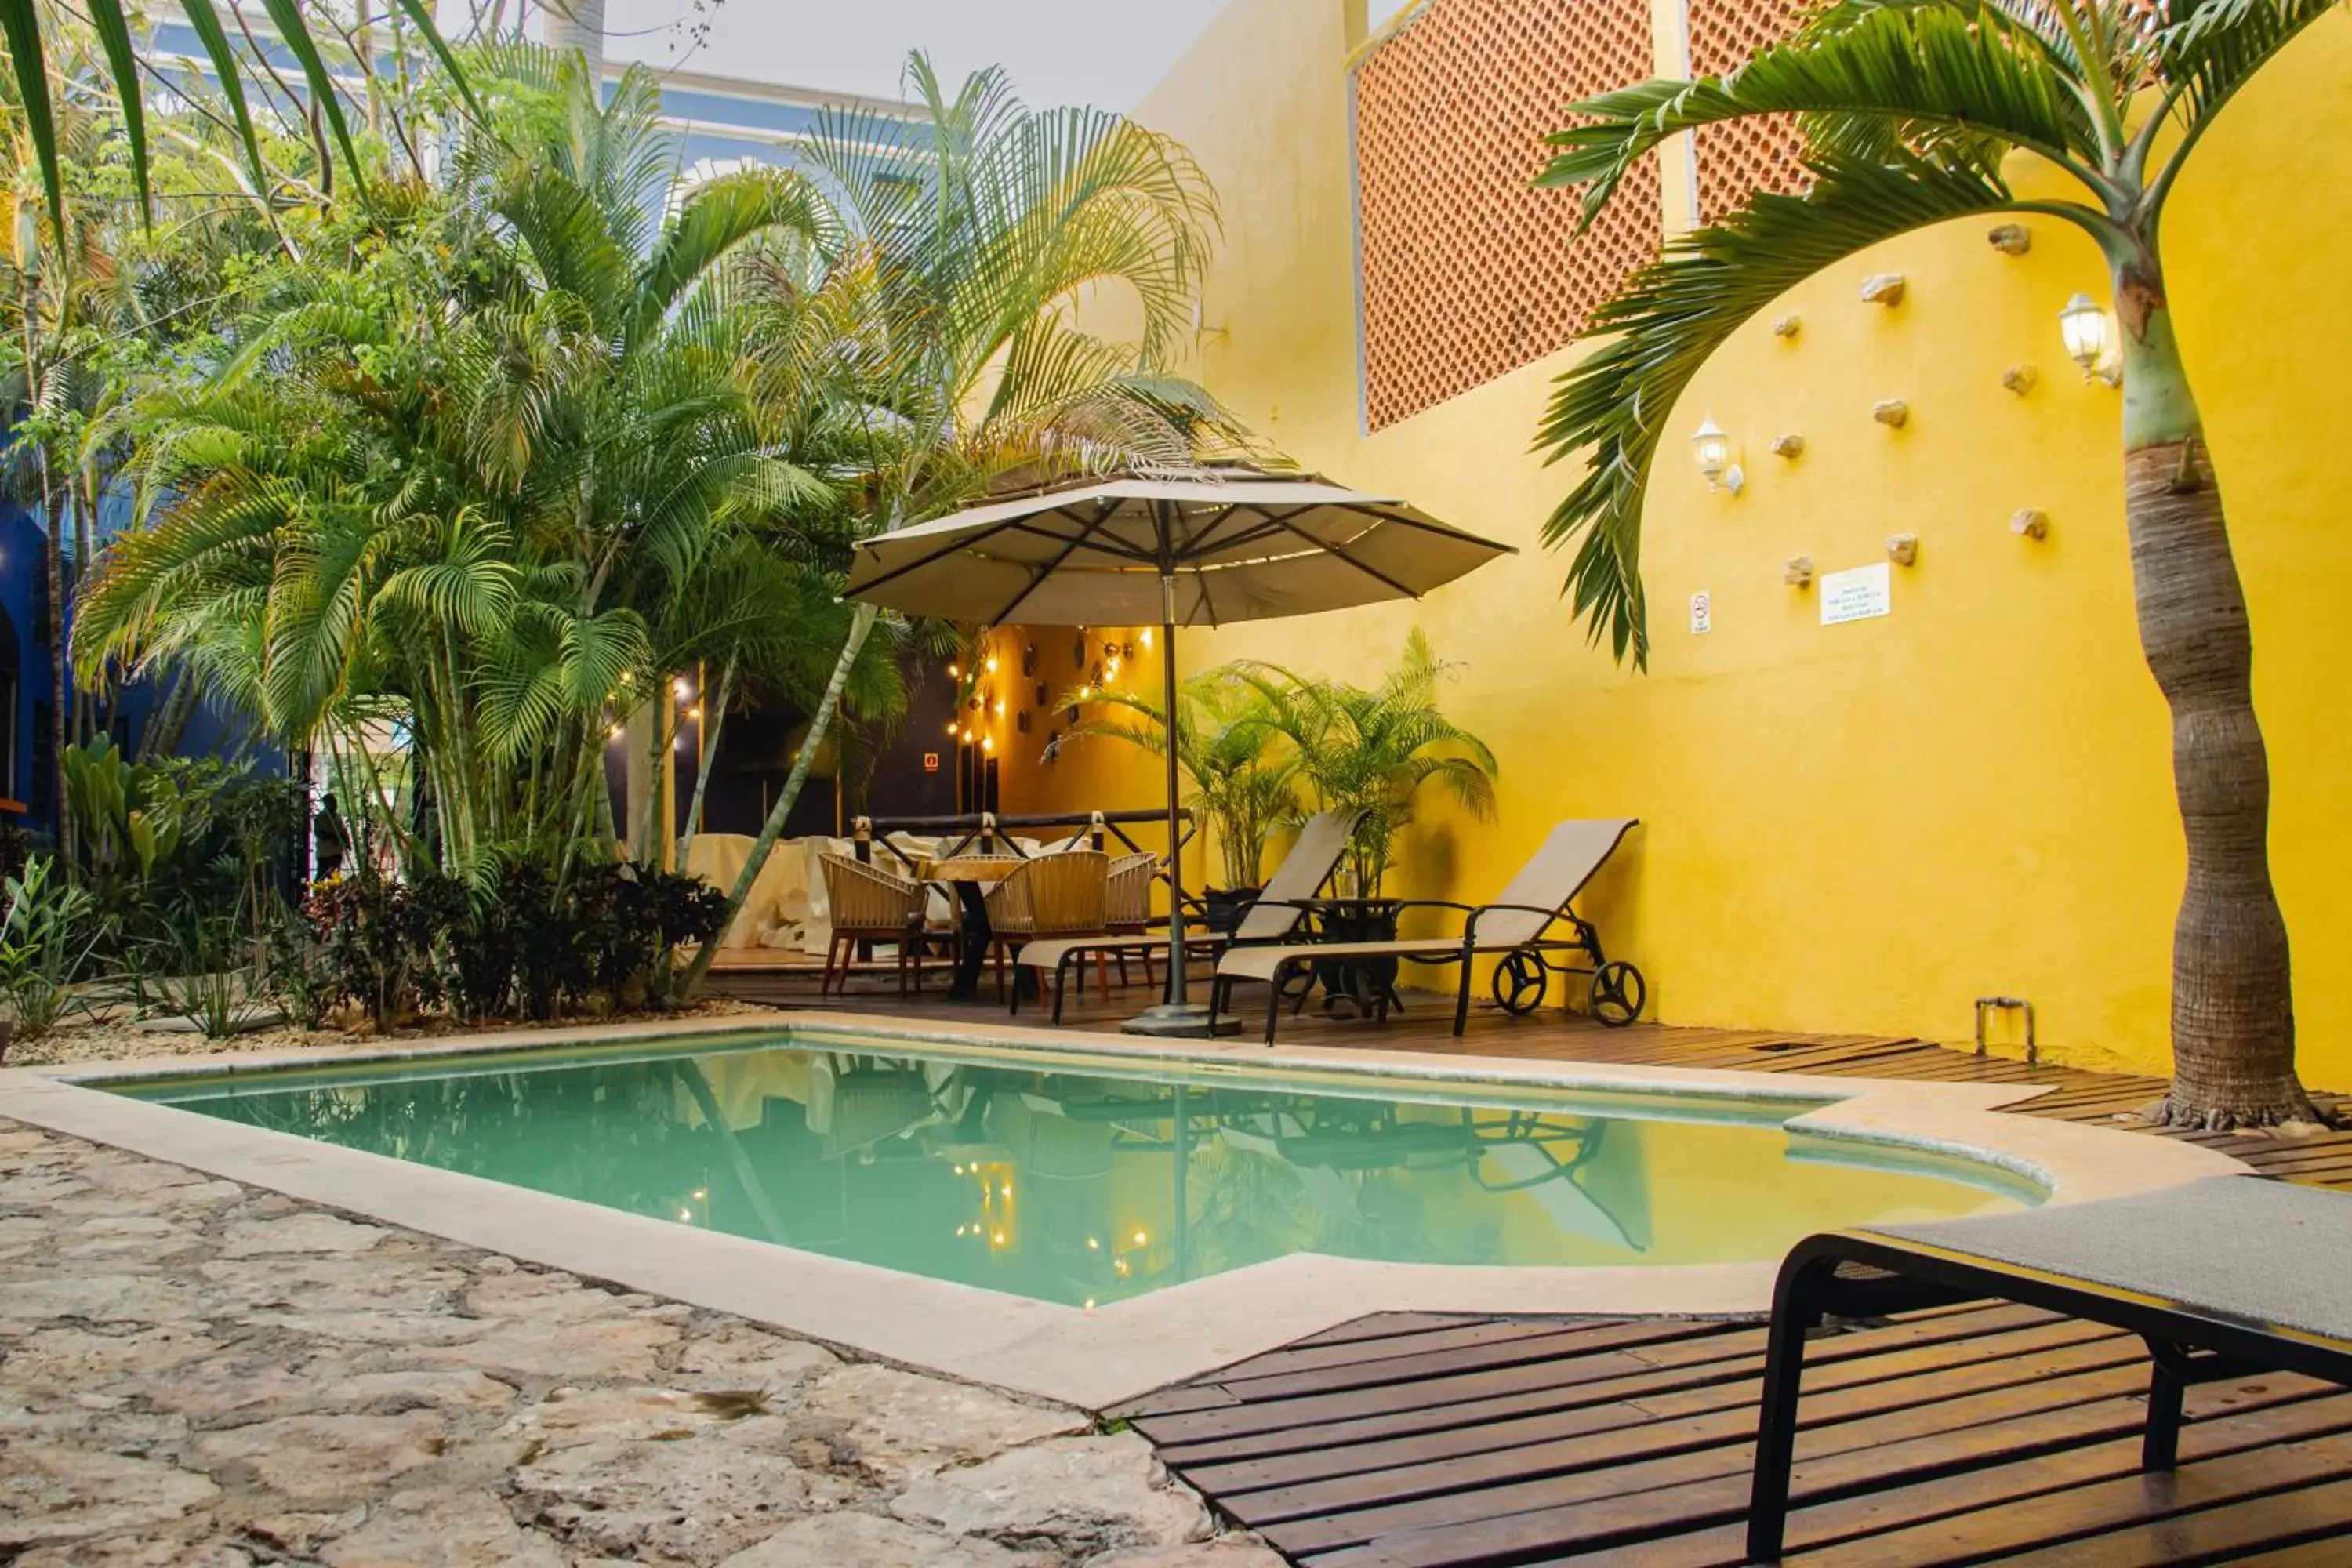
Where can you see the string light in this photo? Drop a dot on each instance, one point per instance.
(1144, 636)
(992, 664)
(1141, 1239)
(684, 687)
(695, 712)
(988, 742)
(1094, 1244)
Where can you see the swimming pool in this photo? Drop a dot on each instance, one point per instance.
(1086, 1180)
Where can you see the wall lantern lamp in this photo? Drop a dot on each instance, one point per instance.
(1712, 448)
(2083, 324)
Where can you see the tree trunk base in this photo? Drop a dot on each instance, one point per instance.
(2286, 1104)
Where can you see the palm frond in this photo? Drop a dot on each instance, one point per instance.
(717, 217)
(1928, 78)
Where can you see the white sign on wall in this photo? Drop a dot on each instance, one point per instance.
(1701, 613)
(1857, 594)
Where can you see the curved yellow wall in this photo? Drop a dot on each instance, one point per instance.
(1857, 827)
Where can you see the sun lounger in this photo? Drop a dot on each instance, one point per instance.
(1273, 915)
(1519, 924)
(2223, 1278)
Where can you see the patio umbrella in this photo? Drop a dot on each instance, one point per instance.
(1189, 548)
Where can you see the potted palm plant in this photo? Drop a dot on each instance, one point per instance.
(1243, 783)
(1374, 749)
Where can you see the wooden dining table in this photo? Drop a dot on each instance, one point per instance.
(971, 875)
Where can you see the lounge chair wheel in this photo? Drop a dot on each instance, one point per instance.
(1521, 981)
(1618, 993)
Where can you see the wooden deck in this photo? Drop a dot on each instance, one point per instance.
(1986, 1434)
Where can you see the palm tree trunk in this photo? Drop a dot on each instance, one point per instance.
(81, 495)
(159, 736)
(54, 506)
(860, 624)
(660, 717)
(714, 720)
(2233, 995)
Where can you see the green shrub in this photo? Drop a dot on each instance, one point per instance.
(46, 935)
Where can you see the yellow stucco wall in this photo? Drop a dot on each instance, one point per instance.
(1864, 826)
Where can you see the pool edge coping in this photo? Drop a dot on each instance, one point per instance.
(1090, 1359)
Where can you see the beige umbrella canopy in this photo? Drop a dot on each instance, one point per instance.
(1199, 548)
(1233, 547)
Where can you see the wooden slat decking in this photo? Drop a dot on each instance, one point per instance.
(1977, 1435)
(1987, 1434)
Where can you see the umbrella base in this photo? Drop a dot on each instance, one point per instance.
(1189, 1020)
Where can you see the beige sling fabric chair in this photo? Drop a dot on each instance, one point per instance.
(869, 904)
(1273, 915)
(1519, 925)
(1065, 895)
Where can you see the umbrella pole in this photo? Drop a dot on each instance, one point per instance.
(1177, 1014)
(1176, 983)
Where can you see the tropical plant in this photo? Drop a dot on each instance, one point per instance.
(150, 836)
(207, 966)
(1373, 749)
(1910, 112)
(1245, 785)
(374, 942)
(322, 105)
(296, 973)
(940, 331)
(460, 464)
(46, 935)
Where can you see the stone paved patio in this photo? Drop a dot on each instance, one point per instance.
(193, 1372)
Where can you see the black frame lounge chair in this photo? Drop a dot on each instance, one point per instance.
(1270, 917)
(1519, 925)
(2224, 1277)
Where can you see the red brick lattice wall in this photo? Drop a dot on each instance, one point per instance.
(1737, 161)
(1469, 271)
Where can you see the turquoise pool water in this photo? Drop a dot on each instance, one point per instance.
(1083, 1180)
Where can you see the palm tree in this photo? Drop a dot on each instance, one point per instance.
(1372, 750)
(502, 434)
(48, 271)
(940, 331)
(1910, 110)
(1243, 783)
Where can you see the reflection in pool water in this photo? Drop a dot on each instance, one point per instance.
(1079, 1180)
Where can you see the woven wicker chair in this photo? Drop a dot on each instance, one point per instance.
(1054, 895)
(870, 904)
